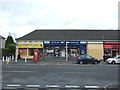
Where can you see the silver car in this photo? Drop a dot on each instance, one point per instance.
(113, 60)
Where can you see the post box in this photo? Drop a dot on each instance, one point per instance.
(36, 55)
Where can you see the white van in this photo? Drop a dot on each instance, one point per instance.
(113, 60)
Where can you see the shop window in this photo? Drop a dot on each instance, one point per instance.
(75, 52)
(31, 52)
(50, 52)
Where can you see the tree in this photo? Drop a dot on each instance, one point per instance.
(9, 41)
(10, 46)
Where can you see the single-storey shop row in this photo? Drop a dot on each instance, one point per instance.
(70, 42)
(74, 48)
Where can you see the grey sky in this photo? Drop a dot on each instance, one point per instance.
(23, 16)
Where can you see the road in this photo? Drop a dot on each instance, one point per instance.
(88, 75)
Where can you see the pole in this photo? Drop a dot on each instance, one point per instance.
(3, 59)
(25, 59)
(15, 59)
(16, 54)
(1, 43)
(12, 57)
(27, 52)
(8, 60)
(66, 52)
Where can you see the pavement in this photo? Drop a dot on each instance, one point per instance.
(44, 62)
(41, 62)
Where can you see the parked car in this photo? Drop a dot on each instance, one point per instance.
(87, 59)
(113, 60)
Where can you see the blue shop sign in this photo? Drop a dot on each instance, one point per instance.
(62, 43)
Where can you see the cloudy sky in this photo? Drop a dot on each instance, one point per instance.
(20, 17)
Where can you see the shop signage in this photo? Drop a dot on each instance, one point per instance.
(64, 43)
(84, 42)
(112, 46)
(47, 42)
(90, 42)
(111, 42)
(23, 50)
(30, 45)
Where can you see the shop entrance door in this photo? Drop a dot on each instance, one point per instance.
(73, 53)
(114, 53)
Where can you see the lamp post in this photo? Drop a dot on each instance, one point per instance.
(16, 54)
(67, 51)
(1, 42)
(14, 36)
(16, 51)
(103, 44)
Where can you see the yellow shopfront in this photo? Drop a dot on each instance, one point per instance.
(26, 50)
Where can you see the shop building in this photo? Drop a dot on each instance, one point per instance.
(112, 48)
(2, 42)
(25, 49)
(58, 48)
(95, 49)
(70, 42)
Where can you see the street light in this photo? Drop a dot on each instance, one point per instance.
(16, 51)
(14, 36)
(67, 51)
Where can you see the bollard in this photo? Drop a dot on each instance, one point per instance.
(3, 59)
(15, 59)
(7, 60)
(25, 59)
(12, 57)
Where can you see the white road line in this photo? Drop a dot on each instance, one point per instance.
(72, 86)
(33, 85)
(12, 85)
(20, 71)
(52, 86)
(91, 86)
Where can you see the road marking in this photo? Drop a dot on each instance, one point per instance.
(52, 86)
(12, 85)
(72, 86)
(20, 71)
(33, 85)
(91, 86)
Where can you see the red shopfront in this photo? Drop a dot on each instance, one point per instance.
(112, 48)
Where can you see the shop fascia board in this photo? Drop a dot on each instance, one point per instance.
(95, 42)
(112, 40)
(27, 41)
(98, 41)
